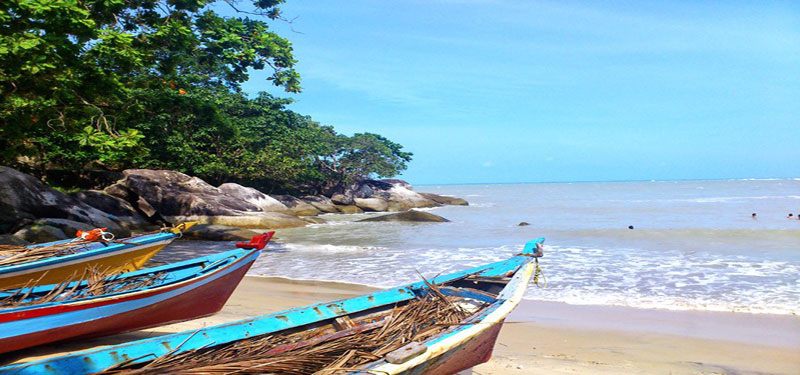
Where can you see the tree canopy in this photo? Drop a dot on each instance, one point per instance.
(156, 83)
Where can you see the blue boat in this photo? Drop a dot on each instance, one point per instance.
(136, 300)
(127, 254)
(484, 294)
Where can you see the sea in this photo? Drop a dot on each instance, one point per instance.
(694, 244)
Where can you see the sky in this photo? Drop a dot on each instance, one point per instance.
(493, 91)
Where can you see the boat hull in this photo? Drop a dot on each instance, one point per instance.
(125, 260)
(201, 297)
(462, 357)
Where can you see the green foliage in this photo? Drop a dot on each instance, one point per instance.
(156, 83)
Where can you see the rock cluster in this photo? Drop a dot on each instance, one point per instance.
(145, 199)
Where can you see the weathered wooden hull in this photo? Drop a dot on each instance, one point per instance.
(126, 260)
(462, 357)
(459, 347)
(123, 256)
(187, 300)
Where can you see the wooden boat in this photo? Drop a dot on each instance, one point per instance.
(127, 254)
(485, 294)
(176, 292)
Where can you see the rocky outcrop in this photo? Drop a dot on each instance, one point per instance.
(409, 216)
(445, 200)
(38, 233)
(372, 204)
(297, 206)
(10, 239)
(213, 232)
(23, 199)
(256, 198)
(179, 197)
(266, 220)
(123, 212)
(350, 209)
(323, 204)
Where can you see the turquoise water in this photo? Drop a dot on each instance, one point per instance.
(694, 244)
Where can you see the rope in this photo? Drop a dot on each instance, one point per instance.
(539, 273)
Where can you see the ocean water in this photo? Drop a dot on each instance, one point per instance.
(694, 245)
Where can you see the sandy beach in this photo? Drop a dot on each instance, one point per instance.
(549, 337)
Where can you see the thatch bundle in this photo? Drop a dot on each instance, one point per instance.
(96, 282)
(11, 255)
(318, 351)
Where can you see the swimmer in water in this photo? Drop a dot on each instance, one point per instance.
(790, 216)
(754, 216)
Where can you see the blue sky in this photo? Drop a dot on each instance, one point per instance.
(529, 91)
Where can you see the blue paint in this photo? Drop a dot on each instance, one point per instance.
(92, 249)
(145, 350)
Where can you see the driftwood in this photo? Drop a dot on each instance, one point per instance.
(321, 351)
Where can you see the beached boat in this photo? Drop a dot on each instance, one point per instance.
(126, 302)
(435, 327)
(54, 262)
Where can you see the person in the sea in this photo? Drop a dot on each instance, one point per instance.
(630, 226)
(791, 216)
(754, 216)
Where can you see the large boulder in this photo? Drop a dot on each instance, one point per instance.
(445, 200)
(408, 216)
(213, 232)
(173, 193)
(372, 204)
(349, 209)
(10, 239)
(264, 220)
(121, 211)
(297, 206)
(179, 197)
(38, 233)
(23, 199)
(256, 198)
(323, 204)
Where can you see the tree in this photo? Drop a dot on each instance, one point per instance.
(363, 155)
(71, 69)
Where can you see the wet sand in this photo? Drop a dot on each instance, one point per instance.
(548, 337)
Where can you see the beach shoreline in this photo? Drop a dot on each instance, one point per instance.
(542, 337)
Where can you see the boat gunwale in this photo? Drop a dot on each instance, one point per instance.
(149, 240)
(193, 339)
(238, 255)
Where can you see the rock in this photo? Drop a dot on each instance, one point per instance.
(297, 206)
(179, 197)
(38, 233)
(213, 232)
(70, 228)
(372, 204)
(10, 239)
(313, 219)
(264, 220)
(322, 204)
(342, 200)
(262, 201)
(523, 224)
(349, 209)
(121, 211)
(173, 193)
(412, 216)
(23, 199)
(443, 199)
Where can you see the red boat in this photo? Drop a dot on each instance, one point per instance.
(177, 292)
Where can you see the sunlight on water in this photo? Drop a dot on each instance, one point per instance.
(693, 246)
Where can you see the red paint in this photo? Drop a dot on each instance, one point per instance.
(465, 356)
(201, 301)
(257, 242)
